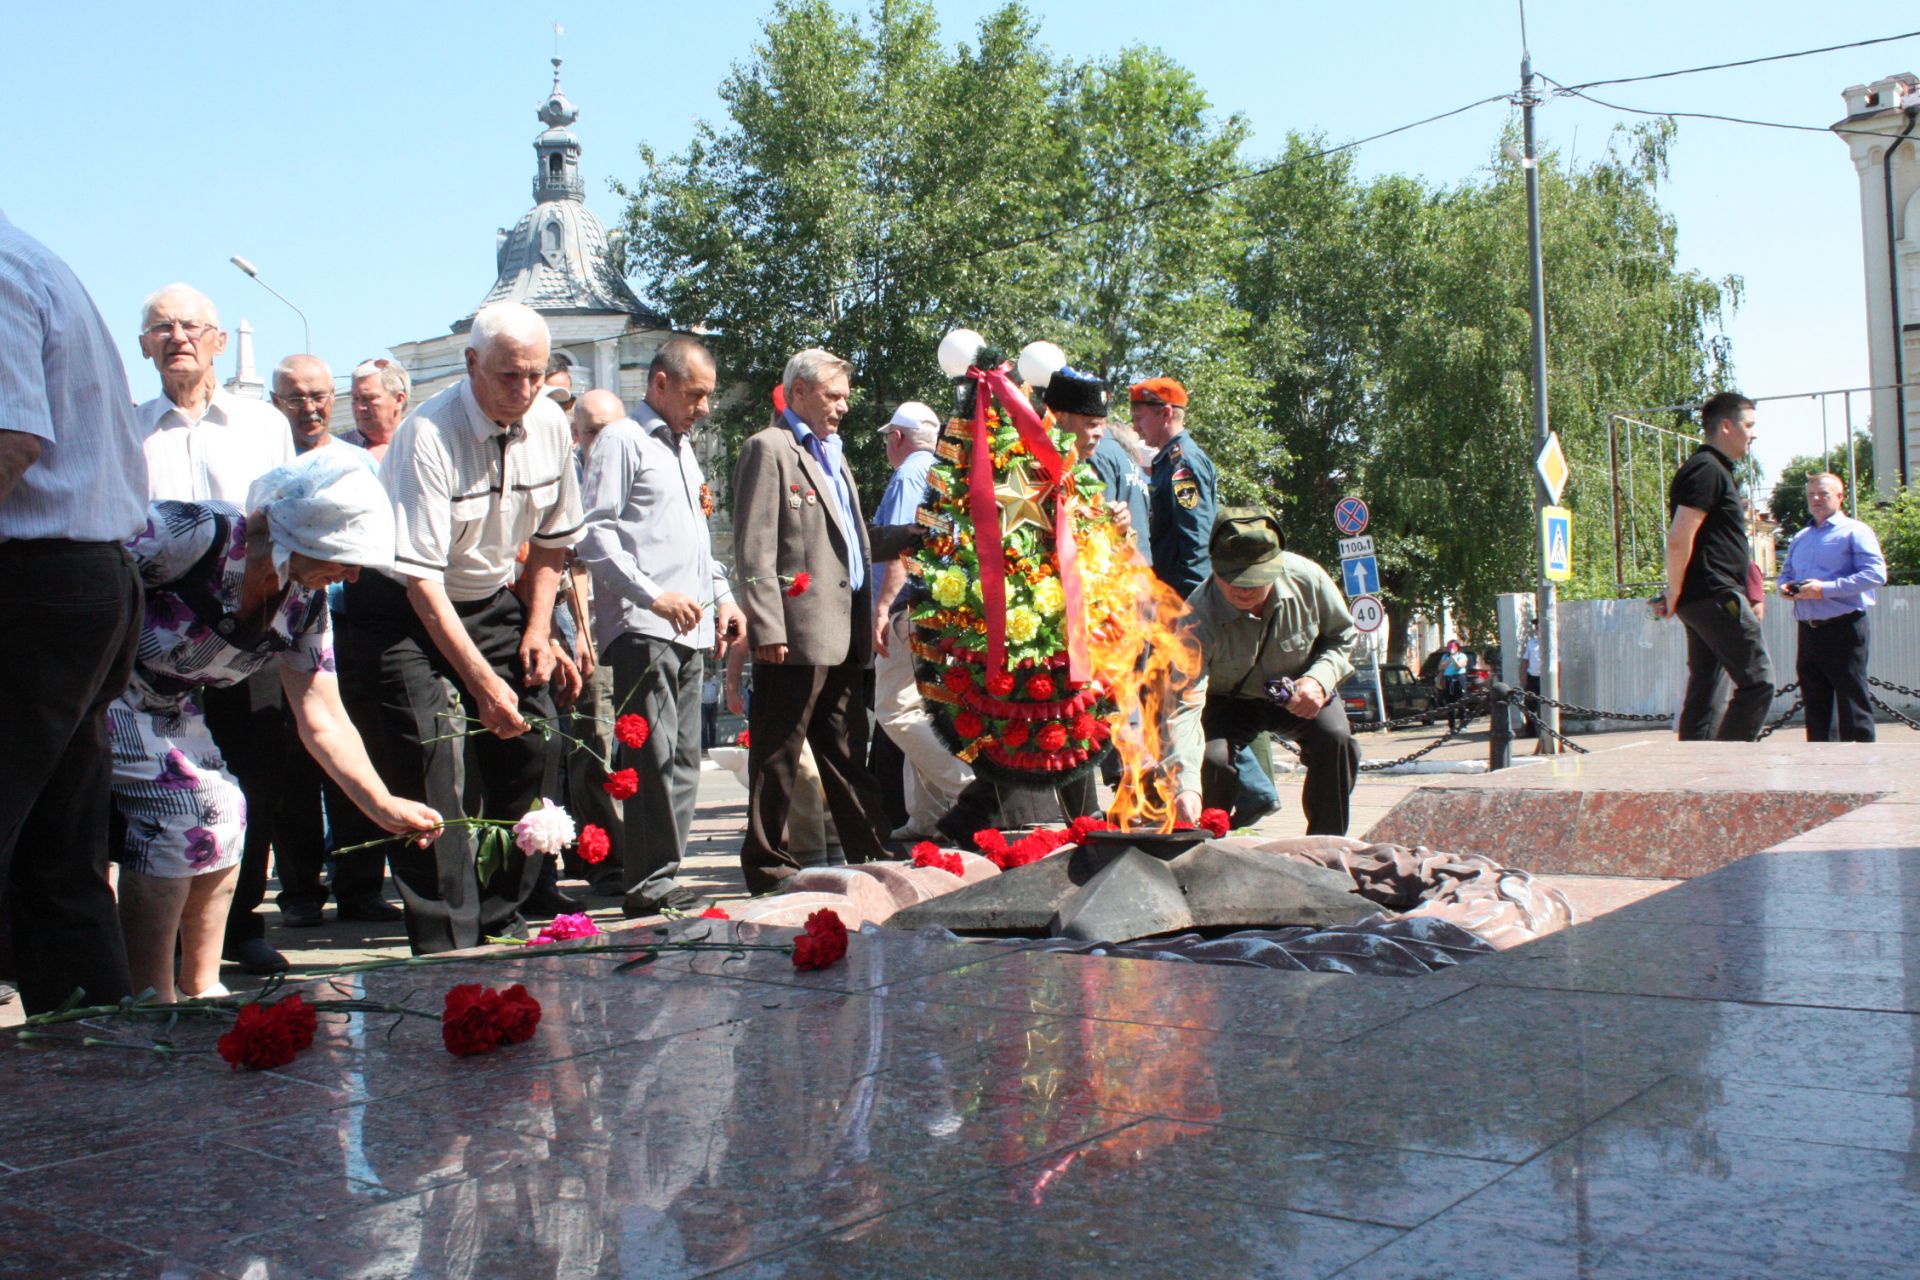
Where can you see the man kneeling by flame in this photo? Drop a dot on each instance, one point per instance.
(1278, 641)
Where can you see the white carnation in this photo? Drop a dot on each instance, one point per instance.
(547, 828)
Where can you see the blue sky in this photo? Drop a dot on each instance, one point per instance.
(362, 156)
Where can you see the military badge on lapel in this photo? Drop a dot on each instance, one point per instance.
(1186, 490)
(813, 499)
(706, 500)
(793, 496)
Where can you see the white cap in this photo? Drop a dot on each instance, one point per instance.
(913, 414)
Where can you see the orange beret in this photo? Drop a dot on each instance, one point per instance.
(1159, 391)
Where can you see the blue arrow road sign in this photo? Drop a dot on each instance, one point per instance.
(1350, 516)
(1362, 576)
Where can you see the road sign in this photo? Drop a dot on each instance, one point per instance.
(1552, 466)
(1354, 548)
(1362, 576)
(1368, 612)
(1556, 533)
(1350, 516)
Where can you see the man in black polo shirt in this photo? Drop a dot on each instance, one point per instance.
(1707, 558)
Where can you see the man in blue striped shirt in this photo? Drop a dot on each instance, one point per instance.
(1830, 571)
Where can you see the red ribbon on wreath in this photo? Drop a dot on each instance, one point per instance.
(985, 510)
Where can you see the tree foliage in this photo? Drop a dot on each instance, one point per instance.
(1896, 522)
(1788, 504)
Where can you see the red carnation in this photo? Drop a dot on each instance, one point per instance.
(999, 684)
(968, 725)
(621, 784)
(715, 913)
(823, 944)
(266, 1036)
(1085, 826)
(801, 581)
(927, 854)
(744, 739)
(989, 841)
(1016, 733)
(958, 680)
(1052, 737)
(516, 1015)
(1088, 728)
(467, 1025)
(1216, 821)
(1040, 688)
(632, 730)
(594, 845)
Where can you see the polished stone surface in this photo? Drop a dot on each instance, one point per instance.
(1719, 1080)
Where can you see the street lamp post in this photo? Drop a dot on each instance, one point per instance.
(254, 273)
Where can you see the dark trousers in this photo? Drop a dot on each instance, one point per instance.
(709, 725)
(1327, 749)
(393, 676)
(1831, 662)
(315, 812)
(660, 680)
(820, 706)
(70, 616)
(248, 723)
(1723, 641)
(1530, 728)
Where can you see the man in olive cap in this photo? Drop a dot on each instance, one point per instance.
(1266, 615)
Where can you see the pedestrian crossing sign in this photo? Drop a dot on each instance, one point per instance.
(1556, 538)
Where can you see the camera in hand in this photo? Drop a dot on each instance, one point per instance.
(1280, 690)
(1789, 588)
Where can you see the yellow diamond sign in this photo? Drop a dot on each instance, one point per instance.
(1552, 466)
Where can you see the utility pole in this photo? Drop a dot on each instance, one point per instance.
(1544, 608)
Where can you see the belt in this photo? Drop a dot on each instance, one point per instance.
(1827, 622)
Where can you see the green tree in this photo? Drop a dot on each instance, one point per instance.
(1788, 504)
(1897, 524)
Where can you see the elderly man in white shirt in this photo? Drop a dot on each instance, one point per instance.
(474, 472)
(661, 603)
(203, 442)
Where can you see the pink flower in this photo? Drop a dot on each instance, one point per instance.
(578, 925)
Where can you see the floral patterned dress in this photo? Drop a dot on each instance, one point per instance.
(184, 813)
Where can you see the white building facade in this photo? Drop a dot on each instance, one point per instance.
(1882, 132)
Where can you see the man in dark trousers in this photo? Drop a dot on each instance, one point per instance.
(796, 513)
(1707, 558)
(1830, 570)
(73, 489)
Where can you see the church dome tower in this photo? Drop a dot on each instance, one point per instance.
(558, 258)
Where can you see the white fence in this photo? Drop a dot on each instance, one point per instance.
(1616, 656)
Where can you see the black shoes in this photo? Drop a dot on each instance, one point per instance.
(257, 957)
(301, 915)
(679, 898)
(371, 910)
(546, 904)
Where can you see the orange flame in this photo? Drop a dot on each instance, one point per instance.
(1137, 646)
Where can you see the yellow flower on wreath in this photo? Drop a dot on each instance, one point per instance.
(949, 587)
(1023, 624)
(1049, 597)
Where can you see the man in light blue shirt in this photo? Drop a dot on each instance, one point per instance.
(1830, 571)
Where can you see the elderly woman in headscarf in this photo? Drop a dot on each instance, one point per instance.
(227, 593)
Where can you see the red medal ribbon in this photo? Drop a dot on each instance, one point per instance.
(987, 540)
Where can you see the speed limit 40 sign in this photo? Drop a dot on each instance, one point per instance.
(1368, 612)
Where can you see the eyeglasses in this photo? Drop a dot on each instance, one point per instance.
(191, 330)
(317, 397)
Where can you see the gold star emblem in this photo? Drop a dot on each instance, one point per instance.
(1020, 497)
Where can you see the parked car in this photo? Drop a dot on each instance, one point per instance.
(1406, 696)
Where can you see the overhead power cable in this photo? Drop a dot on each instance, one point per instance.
(1743, 62)
(1574, 91)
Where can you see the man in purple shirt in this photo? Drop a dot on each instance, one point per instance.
(1830, 571)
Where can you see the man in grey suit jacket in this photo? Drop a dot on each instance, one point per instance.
(796, 512)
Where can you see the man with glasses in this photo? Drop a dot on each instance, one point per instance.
(203, 442)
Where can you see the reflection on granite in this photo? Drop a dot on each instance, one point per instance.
(1721, 1080)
